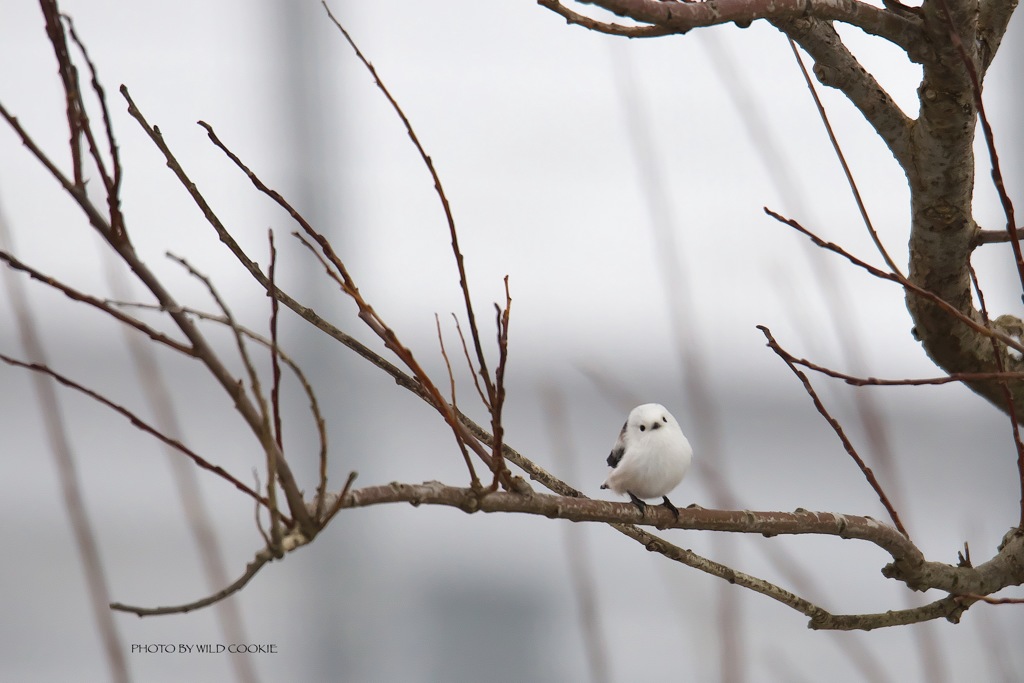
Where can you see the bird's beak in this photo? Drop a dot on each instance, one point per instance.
(656, 425)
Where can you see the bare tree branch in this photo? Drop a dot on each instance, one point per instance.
(997, 175)
(251, 569)
(454, 403)
(837, 428)
(439, 188)
(104, 306)
(842, 162)
(836, 67)
(679, 17)
(138, 422)
(908, 563)
(583, 20)
(908, 285)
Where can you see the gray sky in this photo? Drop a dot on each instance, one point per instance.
(528, 123)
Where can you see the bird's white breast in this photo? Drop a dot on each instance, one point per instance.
(653, 465)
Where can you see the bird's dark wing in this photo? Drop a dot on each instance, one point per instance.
(620, 447)
(615, 456)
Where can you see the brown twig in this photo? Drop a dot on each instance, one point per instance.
(366, 312)
(243, 353)
(902, 281)
(275, 402)
(498, 395)
(439, 189)
(104, 306)
(292, 541)
(272, 292)
(914, 382)
(903, 30)
(111, 182)
(469, 362)
(1011, 411)
(256, 513)
(75, 111)
(254, 418)
(275, 391)
(838, 429)
(340, 498)
(454, 404)
(842, 161)
(973, 597)
(266, 431)
(137, 422)
(251, 569)
(583, 20)
(328, 268)
(307, 387)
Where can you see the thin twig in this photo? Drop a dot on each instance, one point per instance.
(137, 422)
(256, 512)
(497, 429)
(76, 114)
(990, 600)
(838, 429)
(366, 312)
(903, 282)
(275, 402)
(340, 499)
(243, 353)
(583, 20)
(307, 387)
(469, 362)
(455, 405)
(1011, 411)
(104, 306)
(913, 382)
(275, 391)
(111, 182)
(842, 161)
(271, 454)
(439, 188)
(251, 569)
(252, 417)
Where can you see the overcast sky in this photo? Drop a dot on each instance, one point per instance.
(619, 184)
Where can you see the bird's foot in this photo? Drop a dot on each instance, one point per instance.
(670, 506)
(639, 503)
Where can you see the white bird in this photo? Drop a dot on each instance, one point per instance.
(650, 457)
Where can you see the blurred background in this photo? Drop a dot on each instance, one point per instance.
(620, 185)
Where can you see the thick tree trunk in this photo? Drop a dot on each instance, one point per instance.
(940, 172)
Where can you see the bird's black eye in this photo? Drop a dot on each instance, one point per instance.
(643, 428)
(664, 419)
